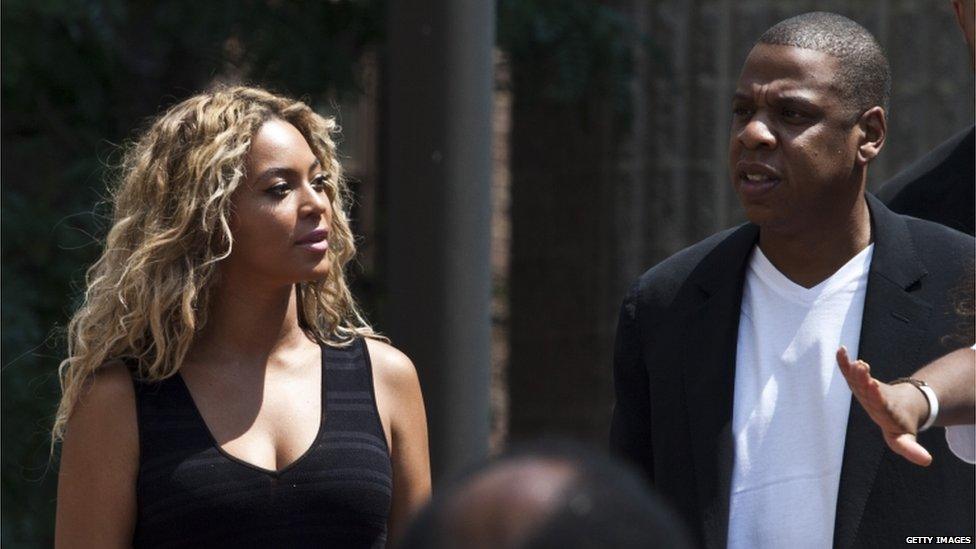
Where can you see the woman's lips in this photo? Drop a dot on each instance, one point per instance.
(321, 246)
(315, 241)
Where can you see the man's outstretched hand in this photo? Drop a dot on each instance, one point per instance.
(897, 409)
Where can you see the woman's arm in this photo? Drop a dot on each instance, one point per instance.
(953, 378)
(401, 408)
(899, 410)
(99, 463)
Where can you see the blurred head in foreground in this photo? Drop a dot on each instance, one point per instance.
(554, 495)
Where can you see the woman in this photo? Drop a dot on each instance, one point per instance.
(221, 386)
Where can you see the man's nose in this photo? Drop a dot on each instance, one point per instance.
(757, 134)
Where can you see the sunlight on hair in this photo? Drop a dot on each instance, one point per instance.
(147, 295)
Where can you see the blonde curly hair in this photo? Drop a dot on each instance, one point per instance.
(147, 295)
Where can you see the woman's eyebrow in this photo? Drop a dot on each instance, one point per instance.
(282, 171)
(276, 172)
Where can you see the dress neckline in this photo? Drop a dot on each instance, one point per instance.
(323, 419)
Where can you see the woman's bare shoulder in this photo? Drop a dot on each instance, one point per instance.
(390, 365)
(106, 405)
(111, 384)
(99, 463)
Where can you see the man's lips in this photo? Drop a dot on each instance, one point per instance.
(755, 179)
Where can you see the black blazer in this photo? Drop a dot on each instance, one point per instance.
(940, 186)
(674, 368)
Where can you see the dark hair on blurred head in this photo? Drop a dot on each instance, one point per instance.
(608, 505)
(864, 78)
(598, 502)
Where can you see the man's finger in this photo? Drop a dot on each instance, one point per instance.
(857, 374)
(861, 373)
(846, 368)
(842, 360)
(907, 446)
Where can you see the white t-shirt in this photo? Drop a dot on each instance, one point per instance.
(791, 402)
(962, 441)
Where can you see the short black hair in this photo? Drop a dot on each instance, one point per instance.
(604, 503)
(607, 504)
(864, 75)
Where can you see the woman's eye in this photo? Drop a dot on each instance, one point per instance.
(281, 189)
(320, 183)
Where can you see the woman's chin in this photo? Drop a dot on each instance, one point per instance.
(317, 274)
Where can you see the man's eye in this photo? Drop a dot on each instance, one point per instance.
(741, 111)
(790, 114)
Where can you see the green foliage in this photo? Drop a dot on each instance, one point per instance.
(78, 78)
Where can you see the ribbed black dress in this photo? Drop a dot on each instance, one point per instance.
(192, 494)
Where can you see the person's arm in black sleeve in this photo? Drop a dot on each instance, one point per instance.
(630, 429)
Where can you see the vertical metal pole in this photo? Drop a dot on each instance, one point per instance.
(438, 176)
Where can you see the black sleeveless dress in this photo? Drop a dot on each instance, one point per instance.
(190, 493)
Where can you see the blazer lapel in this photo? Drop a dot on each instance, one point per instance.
(708, 364)
(891, 331)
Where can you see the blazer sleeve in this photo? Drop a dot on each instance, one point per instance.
(630, 429)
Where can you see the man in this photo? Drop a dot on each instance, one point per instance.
(940, 186)
(549, 495)
(728, 391)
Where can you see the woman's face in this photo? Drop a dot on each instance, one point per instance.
(282, 212)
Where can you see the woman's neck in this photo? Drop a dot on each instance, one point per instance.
(248, 323)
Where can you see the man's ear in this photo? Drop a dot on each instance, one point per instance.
(874, 127)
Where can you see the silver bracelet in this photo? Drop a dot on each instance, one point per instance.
(929, 397)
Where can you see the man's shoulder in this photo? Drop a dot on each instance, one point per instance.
(660, 283)
(940, 257)
(949, 163)
(936, 243)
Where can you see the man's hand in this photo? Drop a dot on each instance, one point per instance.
(897, 409)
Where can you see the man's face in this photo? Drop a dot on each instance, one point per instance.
(792, 145)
